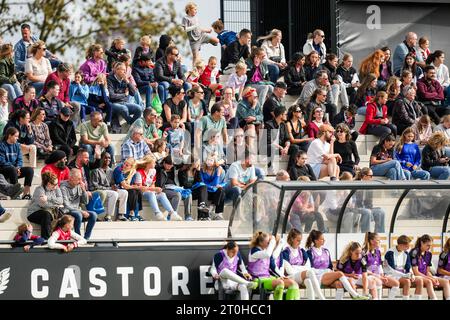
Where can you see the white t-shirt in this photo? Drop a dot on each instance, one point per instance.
(237, 172)
(316, 150)
(40, 68)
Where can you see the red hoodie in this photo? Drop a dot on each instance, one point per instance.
(62, 174)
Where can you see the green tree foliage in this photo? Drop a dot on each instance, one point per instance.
(68, 24)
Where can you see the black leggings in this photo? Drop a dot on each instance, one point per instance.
(43, 218)
(218, 199)
(11, 175)
(200, 194)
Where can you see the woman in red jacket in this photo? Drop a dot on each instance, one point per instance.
(377, 122)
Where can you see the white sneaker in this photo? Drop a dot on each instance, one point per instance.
(5, 216)
(160, 217)
(218, 216)
(174, 217)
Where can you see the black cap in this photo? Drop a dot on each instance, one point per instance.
(66, 111)
(55, 156)
(281, 85)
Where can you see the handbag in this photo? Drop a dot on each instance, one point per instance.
(95, 204)
(156, 104)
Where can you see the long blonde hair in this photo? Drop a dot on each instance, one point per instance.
(401, 142)
(142, 164)
(270, 36)
(369, 237)
(132, 171)
(347, 253)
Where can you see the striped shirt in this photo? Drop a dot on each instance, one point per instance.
(134, 150)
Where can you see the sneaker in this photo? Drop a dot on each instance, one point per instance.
(12, 190)
(218, 216)
(160, 217)
(361, 297)
(5, 216)
(122, 218)
(174, 217)
(132, 218)
(189, 218)
(139, 218)
(26, 197)
(107, 219)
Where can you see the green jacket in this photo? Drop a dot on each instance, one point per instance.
(7, 72)
(244, 110)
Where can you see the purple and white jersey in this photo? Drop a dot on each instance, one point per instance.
(373, 259)
(226, 263)
(444, 262)
(320, 260)
(350, 266)
(422, 261)
(296, 257)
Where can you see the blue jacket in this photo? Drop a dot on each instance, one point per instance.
(79, 93)
(117, 89)
(10, 155)
(226, 37)
(143, 76)
(410, 153)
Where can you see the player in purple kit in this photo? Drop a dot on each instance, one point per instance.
(225, 266)
(443, 270)
(320, 260)
(421, 263)
(295, 265)
(372, 255)
(354, 266)
(261, 263)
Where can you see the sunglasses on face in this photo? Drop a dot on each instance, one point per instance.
(339, 131)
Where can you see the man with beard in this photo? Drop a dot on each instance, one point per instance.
(57, 163)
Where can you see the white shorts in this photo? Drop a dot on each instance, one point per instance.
(445, 277)
(320, 273)
(204, 38)
(316, 168)
(297, 276)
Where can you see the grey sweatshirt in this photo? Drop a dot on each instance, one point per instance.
(54, 199)
(73, 197)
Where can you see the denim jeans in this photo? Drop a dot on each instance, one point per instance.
(148, 90)
(14, 90)
(90, 149)
(391, 170)
(136, 99)
(440, 172)
(232, 193)
(274, 72)
(79, 218)
(417, 174)
(129, 111)
(153, 199)
(376, 214)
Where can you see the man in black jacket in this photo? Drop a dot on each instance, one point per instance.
(407, 110)
(168, 73)
(239, 49)
(82, 163)
(277, 136)
(274, 101)
(62, 133)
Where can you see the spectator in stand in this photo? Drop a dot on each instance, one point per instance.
(145, 78)
(423, 130)
(22, 49)
(146, 177)
(56, 163)
(406, 110)
(225, 36)
(144, 48)
(258, 74)
(377, 121)
(346, 148)
(212, 176)
(371, 65)
(41, 134)
(82, 163)
(196, 35)
(240, 176)
(238, 79)
(295, 126)
(349, 77)
(159, 150)
(63, 232)
(385, 67)
(338, 88)
(320, 82)
(8, 78)
(229, 108)
(24, 236)
(315, 43)
(301, 168)
(4, 109)
(393, 89)
(250, 115)
(305, 211)
(366, 92)
(434, 159)
(275, 57)
(11, 163)
(62, 133)
(235, 51)
(79, 93)
(62, 77)
(115, 52)
(51, 103)
(175, 106)
(119, 91)
(94, 64)
(94, 135)
(411, 65)
(74, 193)
(126, 59)
(135, 147)
(274, 101)
(408, 153)
(382, 160)
(317, 114)
(444, 127)
(347, 116)
(37, 68)
(295, 77)
(277, 136)
(312, 65)
(214, 121)
(47, 199)
(168, 73)
(431, 94)
(437, 59)
(402, 49)
(197, 108)
(99, 97)
(21, 121)
(101, 183)
(321, 155)
(424, 47)
(209, 80)
(164, 41)
(27, 101)
(147, 123)
(177, 141)
(407, 79)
